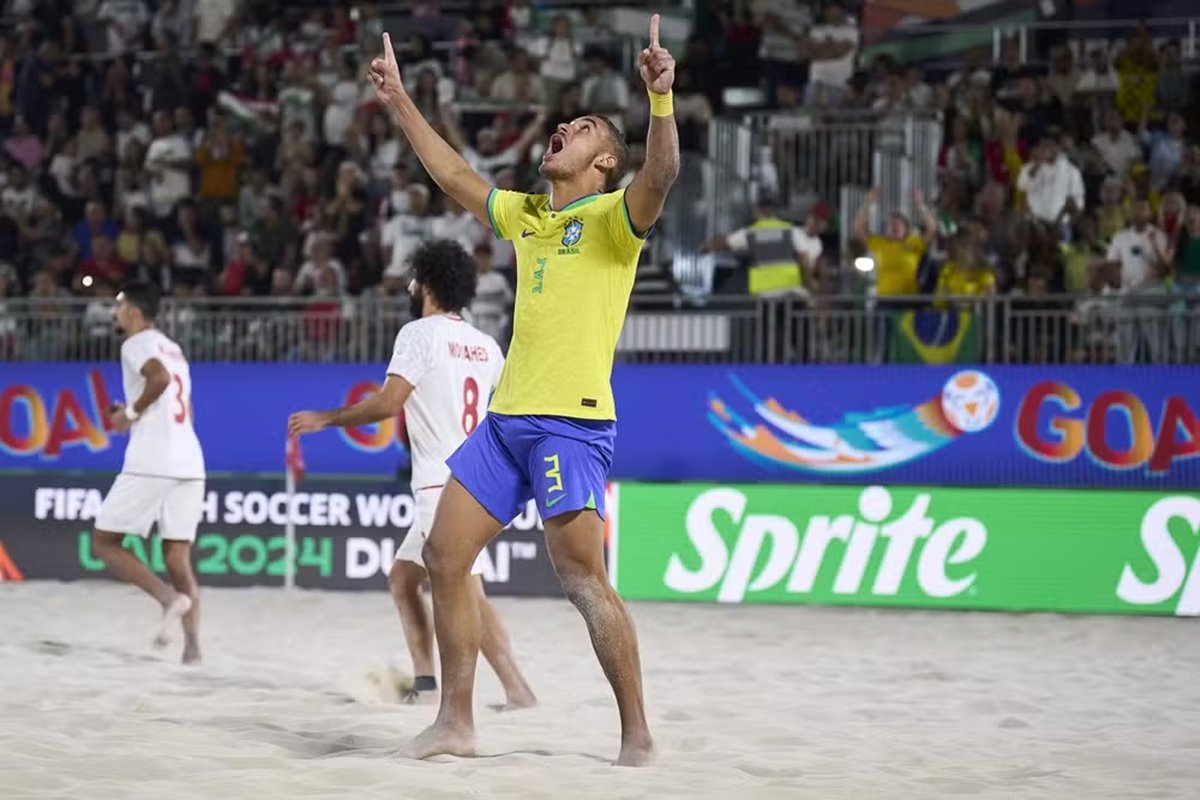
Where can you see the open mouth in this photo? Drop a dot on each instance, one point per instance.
(557, 143)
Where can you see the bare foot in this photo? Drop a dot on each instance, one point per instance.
(191, 654)
(516, 701)
(172, 613)
(441, 740)
(636, 753)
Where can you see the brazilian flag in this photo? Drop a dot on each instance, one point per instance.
(934, 336)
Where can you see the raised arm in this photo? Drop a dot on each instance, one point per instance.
(929, 223)
(1164, 253)
(532, 132)
(645, 196)
(1077, 192)
(862, 228)
(454, 134)
(441, 161)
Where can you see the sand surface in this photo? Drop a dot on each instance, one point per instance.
(744, 702)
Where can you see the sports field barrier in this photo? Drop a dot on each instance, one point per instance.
(946, 548)
(1161, 328)
(738, 484)
(1082, 427)
(938, 548)
(346, 533)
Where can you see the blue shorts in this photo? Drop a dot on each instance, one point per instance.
(561, 462)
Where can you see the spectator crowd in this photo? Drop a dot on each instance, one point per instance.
(1072, 182)
(1076, 187)
(234, 148)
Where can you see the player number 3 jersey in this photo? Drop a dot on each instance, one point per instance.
(575, 271)
(162, 441)
(453, 368)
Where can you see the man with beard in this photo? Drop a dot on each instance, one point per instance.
(162, 480)
(441, 373)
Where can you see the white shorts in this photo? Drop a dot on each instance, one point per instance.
(426, 503)
(136, 502)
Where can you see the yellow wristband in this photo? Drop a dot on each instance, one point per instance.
(661, 105)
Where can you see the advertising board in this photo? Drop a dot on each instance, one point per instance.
(1127, 427)
(1002, 549)
(346, 535)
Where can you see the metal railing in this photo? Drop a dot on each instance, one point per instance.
(843, 328)
(709, 198)
(210, 329)
(917, 38)
(797, 158)
(803, 157)
(857, 329)
(816, 153)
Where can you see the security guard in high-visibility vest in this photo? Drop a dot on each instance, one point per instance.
(780, 255)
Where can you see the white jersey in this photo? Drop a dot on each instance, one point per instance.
(453, 368)
(162, 441)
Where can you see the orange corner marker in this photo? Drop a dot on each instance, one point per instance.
(8, 568)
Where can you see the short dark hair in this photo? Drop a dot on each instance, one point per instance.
(767, 203)
(447, 270)
(620, 150)
(143, 296)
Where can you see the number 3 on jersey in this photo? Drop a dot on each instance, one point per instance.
(182, 401)
(470, 415)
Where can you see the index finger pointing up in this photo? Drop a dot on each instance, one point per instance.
(388, 52)
(654, 31)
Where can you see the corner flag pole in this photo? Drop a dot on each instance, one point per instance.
(294, 461)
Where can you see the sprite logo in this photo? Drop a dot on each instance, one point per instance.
(874, 550)
(1171, 570)
(1012, 549)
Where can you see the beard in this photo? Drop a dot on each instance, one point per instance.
(556, 171)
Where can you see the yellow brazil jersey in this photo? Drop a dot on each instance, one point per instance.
(575, 271)
(896, 263)
(960, 281)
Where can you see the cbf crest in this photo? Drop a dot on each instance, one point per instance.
(572, 232)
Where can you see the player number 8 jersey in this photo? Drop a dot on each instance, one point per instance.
(453, 368)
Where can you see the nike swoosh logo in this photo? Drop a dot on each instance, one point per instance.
(550, 503)
(526, 234)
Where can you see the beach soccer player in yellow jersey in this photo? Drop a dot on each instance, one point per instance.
(551, 424)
